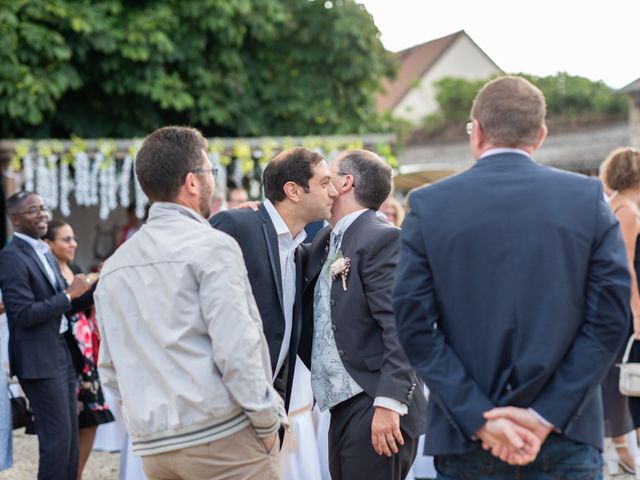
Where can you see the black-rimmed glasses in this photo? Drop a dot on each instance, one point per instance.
(214, 171)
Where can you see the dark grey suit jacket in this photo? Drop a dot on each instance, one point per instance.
(258, 241)
(363, 321)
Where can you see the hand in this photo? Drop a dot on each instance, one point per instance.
(523, 417)
(93, 277)
(385, 431)
(1, 308)
(250, 204)
(79, 285)
(269, 442)
(509, 442)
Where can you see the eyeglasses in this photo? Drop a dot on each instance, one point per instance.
(35, 210)
(353, 184)
(469, 127)
(68, 239)
(214, 171)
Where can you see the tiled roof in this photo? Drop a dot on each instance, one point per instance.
(632, 87)
(414, 62)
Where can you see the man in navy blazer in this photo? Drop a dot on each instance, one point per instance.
(42, 353)
(298, 190)
(512, 290)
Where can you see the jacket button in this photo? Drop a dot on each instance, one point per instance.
(341, 353)
(332, 302)
(333, 327)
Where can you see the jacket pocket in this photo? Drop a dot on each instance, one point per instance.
(374, 361)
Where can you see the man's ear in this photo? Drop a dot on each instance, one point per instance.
(477, 136)
(541, 136)
(293, 191)
(13, 218)
(190, 184)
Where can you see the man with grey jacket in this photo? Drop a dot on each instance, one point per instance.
(182, 342)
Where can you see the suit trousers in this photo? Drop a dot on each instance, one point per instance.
(351, 454)
(55, 408)
(240, 456)
(558, 459)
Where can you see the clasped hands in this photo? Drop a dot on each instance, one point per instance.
(512, 434)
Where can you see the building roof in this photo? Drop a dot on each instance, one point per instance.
(414, 63)
(632, 87)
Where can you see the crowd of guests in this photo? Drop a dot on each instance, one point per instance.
(510, 289)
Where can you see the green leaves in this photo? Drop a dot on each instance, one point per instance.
(247, 67)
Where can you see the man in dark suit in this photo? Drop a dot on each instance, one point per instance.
(358, 369)
(298, 190)
(42, 352)
(512, 290)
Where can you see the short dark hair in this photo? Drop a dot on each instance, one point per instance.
(52, 228)
(14, 201)
(292, 165)
(166, 157)
(371, 176)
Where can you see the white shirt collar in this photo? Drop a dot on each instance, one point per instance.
(281, 227)
(497, 150)
(38, 245)
(346, 221)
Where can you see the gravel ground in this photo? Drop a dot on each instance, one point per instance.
(101, 465)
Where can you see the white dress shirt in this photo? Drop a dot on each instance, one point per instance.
(41, 249)
(287, 245)
(341, 226)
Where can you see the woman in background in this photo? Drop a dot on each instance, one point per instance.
(620, 173)
(393, 211)
(92, 409)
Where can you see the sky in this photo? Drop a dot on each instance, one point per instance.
(598, 39)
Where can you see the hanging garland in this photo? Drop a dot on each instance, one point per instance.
(100, 177)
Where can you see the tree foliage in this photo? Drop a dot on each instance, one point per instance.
(247, 67)
(567, 96)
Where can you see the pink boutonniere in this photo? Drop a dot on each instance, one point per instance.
(340, 268)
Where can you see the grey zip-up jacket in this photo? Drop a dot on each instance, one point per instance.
(182, 342)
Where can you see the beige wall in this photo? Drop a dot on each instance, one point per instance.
(462, 59)
(634, 119)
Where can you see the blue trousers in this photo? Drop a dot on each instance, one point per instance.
(559, 459)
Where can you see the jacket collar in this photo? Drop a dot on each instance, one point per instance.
(162, 209)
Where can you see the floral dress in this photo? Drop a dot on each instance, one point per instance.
(92, 408)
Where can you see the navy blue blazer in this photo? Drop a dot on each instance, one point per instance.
(34, 306)
(256, 235)
(512, 289)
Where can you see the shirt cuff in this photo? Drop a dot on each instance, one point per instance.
(543, 420)
(391, 404)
